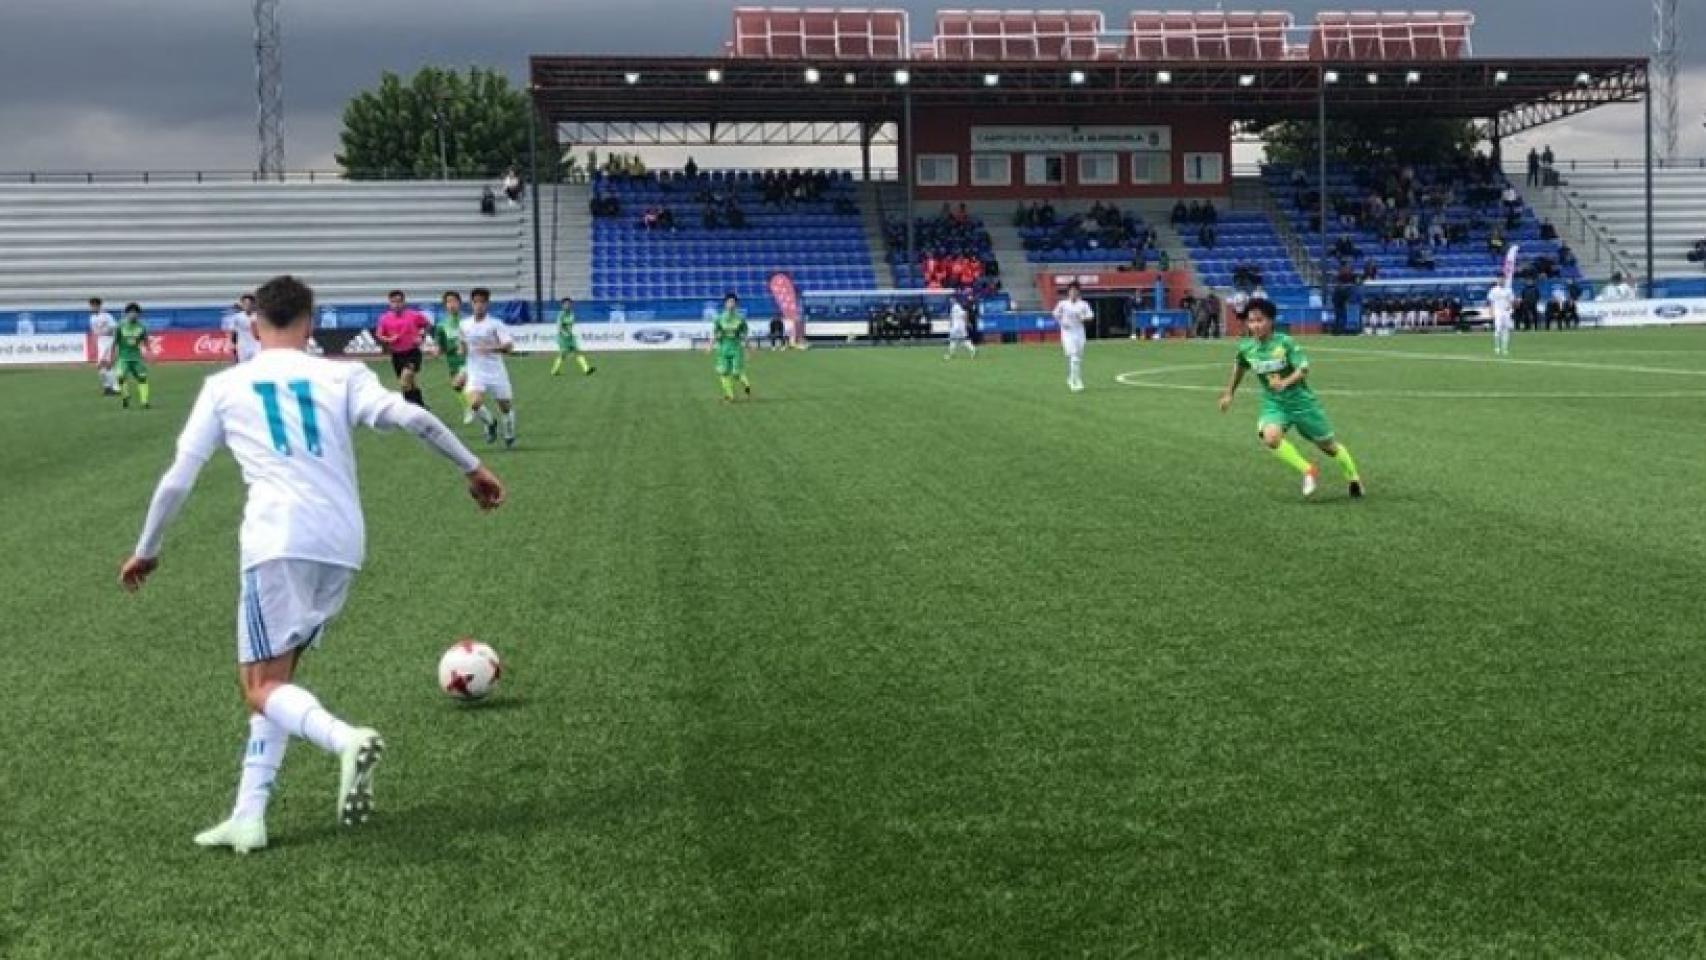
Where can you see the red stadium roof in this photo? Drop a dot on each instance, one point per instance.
(859, 65)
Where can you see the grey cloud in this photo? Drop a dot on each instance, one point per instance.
(127, 83)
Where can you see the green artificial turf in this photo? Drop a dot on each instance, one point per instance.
(906, 657)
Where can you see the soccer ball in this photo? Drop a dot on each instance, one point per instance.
(469, 670)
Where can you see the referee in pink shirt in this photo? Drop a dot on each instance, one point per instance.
(400, 330)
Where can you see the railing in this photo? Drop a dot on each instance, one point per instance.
(1520, 164)
(1591, 229)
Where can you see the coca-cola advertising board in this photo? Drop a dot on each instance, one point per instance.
(173, 346)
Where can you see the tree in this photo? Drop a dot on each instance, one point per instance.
(1370, 141)
(394, 130)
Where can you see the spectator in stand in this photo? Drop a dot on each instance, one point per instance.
(691, 169)
(1421, 258)
(1533, 167)
(652, 218)
(512, 187)
(1206, 236)
(488, 202)
(961, 216)
(1548, 232)
(1370, 271)
(1496, 241)
(1696, 254)
(1181, 213)
(1566, 257)
(1618, 290)
(709, 219)
(1547, 160)
(1436, 234)
(1346, 248)
(1511, 199)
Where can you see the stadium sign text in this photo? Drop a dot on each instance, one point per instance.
(1059, 139)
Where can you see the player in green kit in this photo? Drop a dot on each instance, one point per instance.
(446, 333)
(567, 342)
(128, 345)
(728, 334)
(1287, 400)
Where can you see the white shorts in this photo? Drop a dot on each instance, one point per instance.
(490, 383)
(103, 349)
(284, 605)
(958, 336)
(1072, 341)
(1503, 324)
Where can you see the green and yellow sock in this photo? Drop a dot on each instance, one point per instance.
(124, 388)
(1288, 453)
(557, 366)
(586, 367)
(728, 387)
(745, 382)
(462, 398)
(142, 391)
(1346, 462)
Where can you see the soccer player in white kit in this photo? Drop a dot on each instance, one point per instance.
(1500, 299)
(240, 324)
(485, 340)
(1071, 314)
(103, 327)
(288, 420)
(959, 329)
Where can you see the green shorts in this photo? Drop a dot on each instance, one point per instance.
(1310, 420)
(731, 361)
(134, 369)
(455, 362)
(568, 344)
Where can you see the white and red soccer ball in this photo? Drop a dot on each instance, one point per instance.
(469, 670)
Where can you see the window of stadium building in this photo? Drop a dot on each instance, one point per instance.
(1098, 169)
(1152, 168)
(1204, 168)
(991, 170)
(938, 170)
(1045, 169)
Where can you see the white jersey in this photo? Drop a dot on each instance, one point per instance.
(957, 322)
(288, 420)
(243, 325)
(104, 328)
(1071, 316)
(1500, 299)
(1617, 292)
(487, 334)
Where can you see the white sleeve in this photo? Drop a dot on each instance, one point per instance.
(374, 406)
(505, 339)
(202, 435)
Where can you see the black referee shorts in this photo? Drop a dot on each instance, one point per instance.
(406, 360)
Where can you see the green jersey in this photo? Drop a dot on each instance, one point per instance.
(129, 341)
(447, 334)
(566, 323)
(1278, 354)
(729, 329)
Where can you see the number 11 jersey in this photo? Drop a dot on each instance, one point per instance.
(289, 419)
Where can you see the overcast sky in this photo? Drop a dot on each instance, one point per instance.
(170, 84)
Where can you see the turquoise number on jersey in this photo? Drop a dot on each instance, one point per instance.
(303, 391)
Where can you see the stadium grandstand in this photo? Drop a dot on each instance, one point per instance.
(1031, 147)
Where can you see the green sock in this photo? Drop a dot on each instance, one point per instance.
(142, 391)
(557, 365)
(1288, 453)
(728, 387)
(580, 358)
(745, 382)
(1346, 463)
(124, 389)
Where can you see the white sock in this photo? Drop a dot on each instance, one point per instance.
(299, 713)
(1076, 367)
(485, 414)
(262, 757)
(509, 423)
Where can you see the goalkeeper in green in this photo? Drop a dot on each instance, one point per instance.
(728, 338)
(1287, 399)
